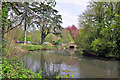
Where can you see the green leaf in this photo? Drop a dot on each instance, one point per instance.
(72, 76)
(68, 76)
(57, 77)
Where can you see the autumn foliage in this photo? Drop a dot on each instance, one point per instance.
(73, 31)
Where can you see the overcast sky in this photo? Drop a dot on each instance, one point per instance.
(70, 9)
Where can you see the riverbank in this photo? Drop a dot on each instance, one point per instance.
(16, 50)
(100, 57)
(31, 47)
(12, 65)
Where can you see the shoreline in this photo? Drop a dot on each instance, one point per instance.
(91, 56)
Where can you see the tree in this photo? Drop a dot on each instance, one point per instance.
(100, 20)
(66, 37)
(73, 31)
(20, 13)
(47, 19)
(4, 21)
(26, 15)
(14, 35)
(35, 36)
(10, 6)
(5, 10)
(51, 37)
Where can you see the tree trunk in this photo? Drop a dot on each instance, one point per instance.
(3, 28)
(2, 36)
(42, 35)
(42, 38)
(25, 33)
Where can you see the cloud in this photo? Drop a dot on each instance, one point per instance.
(68, 19)
(79, 2)
(70, 9)
(75, 2)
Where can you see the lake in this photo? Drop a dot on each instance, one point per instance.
(53, 62)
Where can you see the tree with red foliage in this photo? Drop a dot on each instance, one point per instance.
(73, 31)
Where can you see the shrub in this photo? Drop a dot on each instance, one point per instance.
(67, 74)
(15, 69)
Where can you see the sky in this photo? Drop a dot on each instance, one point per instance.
(70, 9)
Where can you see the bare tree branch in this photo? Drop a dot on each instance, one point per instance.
(14, 27)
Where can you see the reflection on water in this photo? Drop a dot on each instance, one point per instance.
(53, 62)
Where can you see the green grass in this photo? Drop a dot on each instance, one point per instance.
(32, 47)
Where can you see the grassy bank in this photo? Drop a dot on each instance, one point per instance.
(31, 47)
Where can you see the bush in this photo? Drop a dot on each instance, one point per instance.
(15, 69)
(58, 42)
(5, 50)
(67, 74)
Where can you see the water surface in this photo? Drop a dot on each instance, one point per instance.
(53, 62)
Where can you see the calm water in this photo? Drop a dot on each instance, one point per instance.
(53, 62)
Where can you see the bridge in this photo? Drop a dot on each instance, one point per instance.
(72, 45)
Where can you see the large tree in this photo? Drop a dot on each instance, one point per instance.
(73, 31)
(25, 16)
(41, 14)
(100, 22)
(47, 20)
